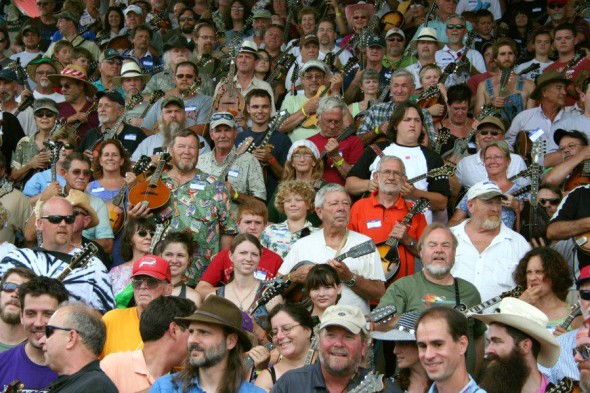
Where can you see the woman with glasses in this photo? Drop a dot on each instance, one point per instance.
(496, 157)
(291, 332)
(177, 248)
(235, 21)
(136, 241)
(294, 198)
(324, 289)
(303, 163)
(544, 276)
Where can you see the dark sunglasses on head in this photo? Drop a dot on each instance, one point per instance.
(144, 233)
(55, 219)
(583, 350)
(457, 26)
(226, 116)
(552, 201)
(45, 114)
(585, 294)
(553, 6)
(49, 330)
(151, 282)
(10, 287)
(491, 132)
(85, 172)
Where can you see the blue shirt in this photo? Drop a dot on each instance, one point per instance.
(39, 181)
(165, 385)
(471, 387)
(98, 84)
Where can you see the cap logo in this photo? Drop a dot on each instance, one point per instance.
(148, 262)
(341, 314)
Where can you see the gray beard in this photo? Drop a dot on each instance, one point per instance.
(168, 131)
(489, 224)
(437, 272)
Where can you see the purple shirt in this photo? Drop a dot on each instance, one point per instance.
(15, 364)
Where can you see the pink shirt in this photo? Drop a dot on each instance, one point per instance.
(128, 371)
(544, 383)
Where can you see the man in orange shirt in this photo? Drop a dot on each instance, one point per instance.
(379, 216)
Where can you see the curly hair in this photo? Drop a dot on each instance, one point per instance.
(557, 271)
(126, 167)
(298, 187)
(317, 171)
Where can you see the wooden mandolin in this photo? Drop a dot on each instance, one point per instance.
(152, 191)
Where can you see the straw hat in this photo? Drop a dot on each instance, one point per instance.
(33, 64)
(75, 73)
(350, 9)
(80, 199)
(130, 70)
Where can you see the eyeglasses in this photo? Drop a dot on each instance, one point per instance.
(44, 114)
(552, 201)
(285, 329)
(188, 19)
(491, 132)
(553, 6)
(458, 27)
(310, 77)
(79, 213)
(55, 219)
(583, 350)
(219, 116)
(185, 76)
(10, 287)
(237, 8)
(305, 155)
(145, 232)
(585, 294)
(49, 330)
(568, 146)
(78, 172)
(68, 146)
(394, 174)
(396, 39)
(152, 283)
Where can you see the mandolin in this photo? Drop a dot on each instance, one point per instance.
(27, 102)
(14, 387)
(534, 218)
(579, 177)
(54, 148)
(228, 97)
(273, 288)
(565, 385)
(575, 311)
(462, 61)
(272, 127)
(20, 72)
(348, 132)
(478, 308)
(79, 260)
(532, 67)
(370, 384)
(75, 125)
(430, 97)
(156, 95)
(159, 234)
(152, 191)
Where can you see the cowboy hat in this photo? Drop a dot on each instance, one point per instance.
(80, 199)
(130, 70)
(77, 74)
(427, 34)
(33, 64)
(528, 319)
(220, 311)
(350, 9)
(546, 78)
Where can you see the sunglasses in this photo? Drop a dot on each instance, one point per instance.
(152, 283)
(144, 233)
(185, 76)
(44, 114)
(396, 39)
(68, 146)
(585, 294)
(55, 219)
(187, 19)
(49, 330)
(79, 213)
(583, 350)
(552, 201)
(458, 27)
(78, 172)
(491, 132)
(553, 6)
(226, 116)
(10, 287)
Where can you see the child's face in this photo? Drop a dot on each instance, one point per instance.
(64, 56)
(485, 25)
(82, 62)
(429, 78)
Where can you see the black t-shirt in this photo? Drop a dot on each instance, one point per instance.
(90, 379)
(130, 137)
(433, 160)
(12, 132)
(574, 207)
(46, 32)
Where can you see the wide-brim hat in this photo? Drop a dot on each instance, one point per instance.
(80, 199)
(220, 311)
(404, 329)
(546, 78)
(77, 74)
(427, 34)
(350, 9)
(528, 319)
(33, 64)
(130, 70)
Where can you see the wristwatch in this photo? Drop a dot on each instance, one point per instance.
(350, 283)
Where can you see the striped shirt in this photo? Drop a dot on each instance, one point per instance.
(89, 284)
(566, 365)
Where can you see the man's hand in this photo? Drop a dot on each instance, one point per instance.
(409, 191)
(343, 271)
(300, 275)
(80, 116)
(383, 128)
(262, 154)
(436, 110)
(498, 102)
(52, 190)
(40, 161)
(260, 355)
(373, 185)
(400, 232)
(135, 121)
(336, 83)
(89, 154)
(311, 106)
(332, 147)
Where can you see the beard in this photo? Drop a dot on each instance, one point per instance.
(507, 374)
(168, 131)
(437, 271)
(8, 318)
(340, 370)
(211, 356)
(491, 223)
(187, 29)
(44, 82)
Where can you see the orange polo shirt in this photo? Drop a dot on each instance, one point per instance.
(371, 218)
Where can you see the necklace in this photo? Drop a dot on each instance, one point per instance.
(457, 125)
(241, 306)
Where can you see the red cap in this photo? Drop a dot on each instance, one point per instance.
(562, 2)
(153, 266)
(584, 276)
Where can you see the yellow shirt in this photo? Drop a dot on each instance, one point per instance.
(122, 331)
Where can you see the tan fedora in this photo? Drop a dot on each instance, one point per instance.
(80, 199)
(75, 73)
(130, 70)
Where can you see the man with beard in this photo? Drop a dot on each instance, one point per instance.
(343, 343)
(197, 107)
(172, 119)
(261, 22)
(46, 22)
(134, 16)
(215, 345)
(327, 37)
(187, 21)
(39, 70)
(67, 23)
(12, 332)
(38, 298)
(435, 286)
(208, 62)
(8, 88)
(488, 250)
(426, 45)
(512, 97)
(518, 339)
(395, 41)
(558, 12)
(582, 356)
(110, 108)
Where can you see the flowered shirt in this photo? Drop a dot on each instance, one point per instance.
(278, 237)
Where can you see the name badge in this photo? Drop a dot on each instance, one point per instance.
(536, 134)
(537, 9)
(259, 275)
(130, 137)
(148, 62)
(99, 189)
(373, 224)
(233, 173)
(190, 108)
(198, 185)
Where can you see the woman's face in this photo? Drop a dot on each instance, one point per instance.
(429, 78)
(325, 296)
(370, 86)
(142, 240)
(303, 160)
(407, 353)
(177, 256)
(289, 336)
(245, 258)
(114, 19)
(237, 10)
(521, 20)
(110, 158)
(263, 63)
(535, 275)
(360, 19)
(295, 207)
(495, 161)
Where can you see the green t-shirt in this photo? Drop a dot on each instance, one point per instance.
(416, 293)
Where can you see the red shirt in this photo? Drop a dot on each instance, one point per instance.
(66, 110)
(221, 267)
(371, 218)
(351, 149)
(571, 73)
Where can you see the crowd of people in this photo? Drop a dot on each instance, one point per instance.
(295, 196)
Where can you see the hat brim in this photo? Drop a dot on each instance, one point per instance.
(32, 68)
(394, 335)
(52, 109)
(536, 94)
(158, 276)
(89, 88)
(200, 316)
(550, 348)
(490, 195)
(351, 327)
(219, 122)
(118, 80)
(350, 9)
(414, 43)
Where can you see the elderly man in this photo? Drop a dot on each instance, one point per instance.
(442, 350)
(111, 107)
(573, 146)
(215, 345)
(245, 178)
(38, 299)
(518, 340)
(343, 343)
(38, 70)
(363, 276)
(132, 81)
(261, 21)
(74, 337)
(140, 37)
(12, 332)
(67, 23)
(150, 279)
(488, 250)
(109, 66)
(164, 346)
(341, 155)
(8, 104)
(426, 45)
(301, 106)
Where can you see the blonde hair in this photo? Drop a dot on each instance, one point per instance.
(298, 187)
(317, 172)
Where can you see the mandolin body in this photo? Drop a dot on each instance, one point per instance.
(156, 195)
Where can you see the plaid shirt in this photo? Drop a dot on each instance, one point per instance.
(381, 113)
